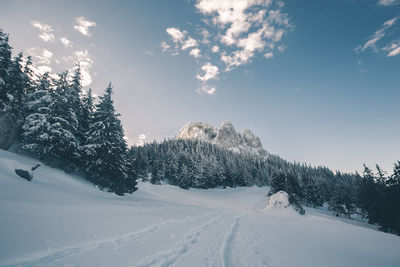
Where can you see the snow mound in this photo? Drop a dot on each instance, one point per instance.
(279, 200)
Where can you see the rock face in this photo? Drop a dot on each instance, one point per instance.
(226, 136)
(8, 130)
(198, 130)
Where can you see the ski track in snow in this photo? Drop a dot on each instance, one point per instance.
(215, 251)
(247, 252)
(230, 239)
(169, 256)
(51, 256)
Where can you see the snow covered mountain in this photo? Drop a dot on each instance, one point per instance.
(226, 136)
(62, 220)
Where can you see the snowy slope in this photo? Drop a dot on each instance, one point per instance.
(61, 220)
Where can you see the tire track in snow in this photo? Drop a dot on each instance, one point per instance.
(228, 247)
(50, 256)
(168, 257)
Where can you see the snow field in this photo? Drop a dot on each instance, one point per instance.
(62, 220)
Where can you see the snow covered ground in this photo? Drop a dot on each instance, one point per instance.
(61, 220)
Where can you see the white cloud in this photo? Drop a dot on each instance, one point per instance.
(228, 12)
(394, 52)
(253, 41)
(388, 2)
(209, 72)
(180, 38)
(190, 42)
(377, 36)
(393, 48)
(269, 55)
(245, 27)
(126, 137)
(250, 44)
(236, 58)
(47, 36)
(150, 53)
(142, 138)
(40, 70)
(41, 26)
(66, 42)
(42, 59)
(43, 69)
(390, 22)
(195, 53)
(83, 25)
(40, 55)
(85, 61)
(176, 34)
(232, 33)
(360, 66)
(206, 35)
(275, 16)
(206, 89)
(281, 48)
(164, 46)
(45, 31)
(215, 49)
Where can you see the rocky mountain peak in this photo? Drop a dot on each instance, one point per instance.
(198, 130)
(226, 136)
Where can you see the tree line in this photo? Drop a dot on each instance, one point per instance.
(379, 197)
(194, 163)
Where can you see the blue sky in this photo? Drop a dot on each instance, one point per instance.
(318, 81)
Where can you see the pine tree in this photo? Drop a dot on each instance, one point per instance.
(86, 119)
(63, 144)
(380, 177)
(36, 126)
(106, 148)
(88, 109)
(16, 87)
(75, 100)
(278, 182)
(29, 77)
(292, 185)
(312, 195)
(370, 196)
(394, 179)
(335, 205)
(5, 64)
(392, 219)
(131, 172)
